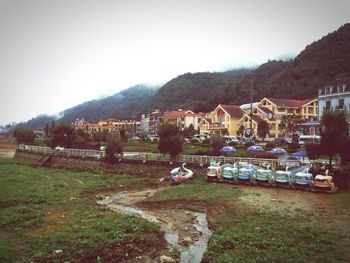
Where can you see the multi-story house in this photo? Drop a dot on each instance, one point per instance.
(154, 121)
(225, 117)
(273, 110)
(204, 124)
(183, 118)
(335, 96)
(145, 126)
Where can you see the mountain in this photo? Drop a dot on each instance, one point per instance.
(318, 64)
(129, 103)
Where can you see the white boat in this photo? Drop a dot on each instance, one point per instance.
(180, 174)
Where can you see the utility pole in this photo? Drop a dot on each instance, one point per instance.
(251, 106)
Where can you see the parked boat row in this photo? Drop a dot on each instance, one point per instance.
(297, 178)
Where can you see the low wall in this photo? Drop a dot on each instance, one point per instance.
(153, 169)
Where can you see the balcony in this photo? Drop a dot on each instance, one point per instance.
(216, 126)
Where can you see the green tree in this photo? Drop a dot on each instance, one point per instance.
(114, 147)
(334, 134)
(170, 140)
(263, 129)
(290, 123)
(218, 143)
(189, 132)
(24, 134)
(241, 131)
(63, 134)
(313, 150)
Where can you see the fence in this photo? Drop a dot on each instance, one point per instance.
(63, 151)
(142, 156)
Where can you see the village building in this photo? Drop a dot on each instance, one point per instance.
(225, 118)
(335, 96)
(183, 118)
(273, 110)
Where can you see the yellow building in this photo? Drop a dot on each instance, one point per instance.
(273, 111)
(225, 117)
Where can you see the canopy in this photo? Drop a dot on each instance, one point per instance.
(255, 148)
(300, 154)
(228, 149)
(278, 151)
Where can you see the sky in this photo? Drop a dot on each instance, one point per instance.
(56, 54)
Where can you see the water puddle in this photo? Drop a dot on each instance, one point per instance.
(186, 231)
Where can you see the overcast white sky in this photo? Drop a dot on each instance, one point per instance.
(57, 54)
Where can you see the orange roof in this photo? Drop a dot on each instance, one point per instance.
(108, 126)
(289, 103)
(174, 114)
(87, 125)
(233, 110)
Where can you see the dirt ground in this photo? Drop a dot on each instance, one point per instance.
(7, 148)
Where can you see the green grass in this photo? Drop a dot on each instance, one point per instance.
(246, 234)
(42, 210)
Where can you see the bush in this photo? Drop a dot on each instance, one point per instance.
(293, 146)
(269, 146)
(206, 142)
(248, 144)
(233, 144)
(218, 143)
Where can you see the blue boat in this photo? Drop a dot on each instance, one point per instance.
(303, 180)
(246, 175)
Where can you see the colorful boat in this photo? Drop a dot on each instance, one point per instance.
(283, 179)
(246, 175)
(303, 180)
(214, 172)
(264, 177)
(229, 173)
(324, 183)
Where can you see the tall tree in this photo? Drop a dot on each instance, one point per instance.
(334, 133)
(290, 123)
(24, 134)
(263, 129)
(63, 134)
(114, 147)
(170, 140)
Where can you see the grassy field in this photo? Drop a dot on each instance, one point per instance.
(49, 215)
(253, 224)
(44, 217)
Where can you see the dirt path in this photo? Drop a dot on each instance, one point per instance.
(186, 231)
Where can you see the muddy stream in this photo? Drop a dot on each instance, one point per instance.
(184, 230)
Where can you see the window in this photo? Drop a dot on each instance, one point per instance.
(341, 104)
(328, 104)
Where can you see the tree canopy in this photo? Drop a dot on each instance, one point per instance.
(24, 134)
(170, 140)
(63, 134)
(263, 129)
(114, 147)
(334, 133)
